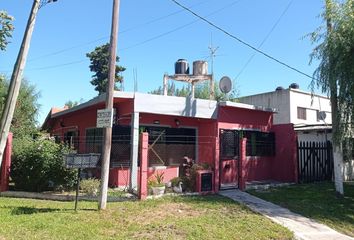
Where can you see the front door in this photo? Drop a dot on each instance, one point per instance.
(229, 140)
(228, 174)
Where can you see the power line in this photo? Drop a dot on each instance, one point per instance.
(57, 66)
(66, 49)
(134, 45)
(265, 39)
(106, 37)
(241, 41)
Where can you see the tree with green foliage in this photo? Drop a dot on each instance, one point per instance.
(6, 29)
(71, 104)
(99, 60)
(201, 91)
(25, 117)
(335, 74)
(172, 91)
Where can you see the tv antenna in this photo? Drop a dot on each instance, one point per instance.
(212, 51)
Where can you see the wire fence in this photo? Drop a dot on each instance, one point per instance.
(162, 151)
(169, 149)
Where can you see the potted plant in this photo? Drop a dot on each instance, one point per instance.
(157, 184)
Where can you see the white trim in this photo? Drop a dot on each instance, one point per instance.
(246, 106)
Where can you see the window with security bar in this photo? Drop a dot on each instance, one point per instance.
(229, 144)
(258, 143)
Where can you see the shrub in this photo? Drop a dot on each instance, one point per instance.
(37, 165)
(90, 186)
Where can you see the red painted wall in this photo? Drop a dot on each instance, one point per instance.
(206, 142)
(232, 118)
(258, 168)
(120, 176)
(284, 167)
(254, 168)
(6, 164)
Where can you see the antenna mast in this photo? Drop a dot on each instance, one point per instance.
(212, 50)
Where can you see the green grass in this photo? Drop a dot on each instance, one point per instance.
(198, 217)
(317, 201)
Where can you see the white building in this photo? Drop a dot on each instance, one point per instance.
(310, 114)
(294, 106)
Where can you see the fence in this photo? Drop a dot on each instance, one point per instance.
(164, 150)
(315, 161)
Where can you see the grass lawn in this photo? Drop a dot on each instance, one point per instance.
(317, 201)
(197, 217)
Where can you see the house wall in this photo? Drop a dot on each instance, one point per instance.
(280, 100)
(313, 136)
(313, 104)
(287, 101)
(256, 168)
(206, 142)
(119, 177)
(285, 165)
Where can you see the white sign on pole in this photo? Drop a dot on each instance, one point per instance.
(104, 118)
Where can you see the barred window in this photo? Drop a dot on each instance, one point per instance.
(229, 143)
(258, 143)
(94, 139)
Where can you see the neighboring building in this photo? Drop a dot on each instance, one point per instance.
(205, 130)
(310, 114)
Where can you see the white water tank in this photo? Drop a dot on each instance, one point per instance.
(200, 68)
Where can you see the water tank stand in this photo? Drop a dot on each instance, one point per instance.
(192, 79)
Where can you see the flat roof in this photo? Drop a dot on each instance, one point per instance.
(288, 90)
(168, 105)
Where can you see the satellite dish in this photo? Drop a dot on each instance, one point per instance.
(225, 84)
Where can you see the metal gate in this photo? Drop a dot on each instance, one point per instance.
(315, 161)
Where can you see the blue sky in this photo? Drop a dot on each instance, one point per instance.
(154, 34)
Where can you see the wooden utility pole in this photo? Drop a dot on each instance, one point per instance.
(102, 201)
(337, 149)
(16, 79)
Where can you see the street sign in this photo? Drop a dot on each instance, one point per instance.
(104, 118)
(88, 160)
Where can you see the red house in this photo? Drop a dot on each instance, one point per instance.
(205, 130)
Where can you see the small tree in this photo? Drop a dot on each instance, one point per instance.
(6, 29)
(99, 59)
(24, 121)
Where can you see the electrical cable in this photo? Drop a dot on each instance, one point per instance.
(107, 37)
(241, 41)
(134, 45)
(264, 40)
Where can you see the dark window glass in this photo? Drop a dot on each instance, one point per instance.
(258, 143)
(229, 144)
(94, 139)
(301, 113)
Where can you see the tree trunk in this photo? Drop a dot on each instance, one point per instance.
(337, 146)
